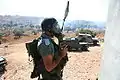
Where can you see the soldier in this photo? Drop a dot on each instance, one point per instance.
(52, 54)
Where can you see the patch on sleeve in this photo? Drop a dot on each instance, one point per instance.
(47, 41)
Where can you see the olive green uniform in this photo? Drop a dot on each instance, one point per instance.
(46, 46)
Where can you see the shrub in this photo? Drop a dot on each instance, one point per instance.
(87, 31)
(1, 34)
(18, 32)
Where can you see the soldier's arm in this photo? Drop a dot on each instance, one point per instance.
(49, 63)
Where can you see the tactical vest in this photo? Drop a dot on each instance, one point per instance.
(39, 67)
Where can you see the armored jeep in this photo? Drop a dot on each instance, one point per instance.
(88, 38)
(74, 44)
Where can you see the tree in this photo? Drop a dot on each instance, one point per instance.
(67, 29)
(1, 34)
(32, 26)
(87, 31)
(34, 32)
(18, 32)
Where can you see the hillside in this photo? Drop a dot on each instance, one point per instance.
(9, 20)
(19, 20)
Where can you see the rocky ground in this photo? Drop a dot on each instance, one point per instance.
(81, 65)
(84, 65)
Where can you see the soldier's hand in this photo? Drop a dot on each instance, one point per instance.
(63, 50)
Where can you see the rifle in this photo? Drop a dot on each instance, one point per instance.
(60, 40)
(66, 14)
(60, 36)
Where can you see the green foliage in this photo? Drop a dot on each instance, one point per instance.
(1, 34)
(18, 32)
(32, 26)
(87, 31)
(34, 32)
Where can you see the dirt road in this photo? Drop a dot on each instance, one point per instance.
(81, 65)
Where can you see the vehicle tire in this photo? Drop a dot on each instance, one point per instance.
(2, 69)
(69, 49)
(77, 49)
(84, 48)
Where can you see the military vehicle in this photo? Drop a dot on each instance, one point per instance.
(95, 42)
(3, 63)
(88, 38)
(81, 42)
(74, 44)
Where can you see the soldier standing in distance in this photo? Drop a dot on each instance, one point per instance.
(52, 54)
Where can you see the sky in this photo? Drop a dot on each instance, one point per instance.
(94, 10)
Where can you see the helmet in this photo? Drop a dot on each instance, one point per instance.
(51, 25)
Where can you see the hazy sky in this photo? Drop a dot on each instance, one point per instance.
(95, 10)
